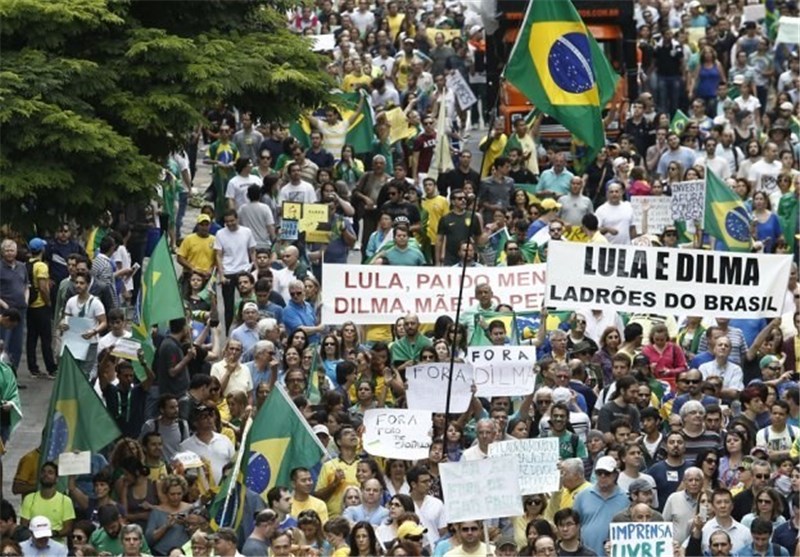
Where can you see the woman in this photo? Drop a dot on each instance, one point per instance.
(368, 469)
(399, 329)
(534, 529)
(729, 463)
(312, 288)
(708, 461)
(442, 350)
(399, 504)
(689, 336)
(310, 524)
(139, 493)
(428, 354)
(363, 540)
(706, 78)
(396, 476)
(196, 300)
(520, 200)
(454, 442)
(610, 342)
(201, 545)
(348, 168)
(166, 524)
(768, 505)
(292, 361)
(85, 311)
(674, 173)
(666, 357)
(216, 399)
(747, 102)
(330, 355)
(350, 339)
(365, 400)
(457, 339)
(299, 340)
(518, 429)
(81, 533)
(597, 174)
(767, 226)
(533, 507)
(89, 504)
(351, 497)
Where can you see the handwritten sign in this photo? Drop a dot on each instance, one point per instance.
(768, 183)
(312, 218)
(127, 348)
(427, 387)
(659, 214)
(481, 489)
(537, 460)
(503, 370)
(641, 539)
(397, 433)
(75, 463)
(788, 30)
(689, 201)
(461, 89)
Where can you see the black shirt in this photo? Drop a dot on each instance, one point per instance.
(455, 229)
(168, 355)
(454, 180)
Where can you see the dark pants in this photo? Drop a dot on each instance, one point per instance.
(669, 93)
(228, 299)
(13, 339)
(40, 329)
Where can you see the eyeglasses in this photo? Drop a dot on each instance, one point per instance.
(298, 293)
(469, 528)
(533, 502)
(710, 461)
(761, 476)
(78, 537)
(328, 344)
(775, 368)
(765, 500)
(692, 381)
(426, 357)
(544, 401)
(603, 473)
(428, 122)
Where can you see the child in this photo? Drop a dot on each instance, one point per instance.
(337, 531)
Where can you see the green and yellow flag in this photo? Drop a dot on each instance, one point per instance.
(726, 218)
(360, 133)
(161, 295)
(679, 122)
(562, 70)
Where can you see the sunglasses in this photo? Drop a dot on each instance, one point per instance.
(762, 476)
(469, 528)
(328, 344)
(425, 357)
(710, 461)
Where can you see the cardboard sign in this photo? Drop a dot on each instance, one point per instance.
(788, 30)
(481, 489)
(537, 460)
(427, 387)
(503, 370)
(397, 433)
(461, 89)
(641, 539)
(128, 349)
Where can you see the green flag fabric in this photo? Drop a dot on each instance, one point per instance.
(161, 295)
(9, 394)
(360, 133)
(726, 218)
(679, 122)
(77, 419)
(560, 68)
(300, 129)
(787, 216)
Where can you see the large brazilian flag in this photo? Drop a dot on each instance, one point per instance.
(559, 67)
(726, 217)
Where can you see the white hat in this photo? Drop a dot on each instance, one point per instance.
(786, 106)
(606, 463)
(720, 121)
(475, 29)
(317, 429)
(739, 79)
(694, 4)
(561, 394)
(40, 527)
(249, 306)
(619, 161)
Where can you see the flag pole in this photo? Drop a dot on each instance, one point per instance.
(236, 468)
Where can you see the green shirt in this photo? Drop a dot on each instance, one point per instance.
(102, 542)
(403, 350)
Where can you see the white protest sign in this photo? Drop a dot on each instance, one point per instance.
(788, 30)
(659, 213)
(127, 348)
(461, 89)
(666, 281)
(427, 387)
(481, 489)
(754, 12)
(397, 433)
(503, 370)
(73, 337)
(641, 539)
(188, 459)
(75, 463)
(379, 294)
(537, 460)
(689, 201)
(323, 43)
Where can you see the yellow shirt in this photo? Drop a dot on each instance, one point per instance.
(395, 23)
(326, 478)
(459, 551)
(39, 272)
(58, 509)
(311, 503)
(343, 551)
(492, 152)
(28, 468)
(437, 207)
(351, 82)
(199, 252)
(158, 472)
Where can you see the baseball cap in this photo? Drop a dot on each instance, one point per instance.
(36, 245)
(410, 528)
(203, 218)
(786, 105)
(201, 408)
(408, 40)
(504, 541)
(766, 360)
(250, 305)
(561, 394)
(323, 429)
(581, 346)
(759, 449)
(619, 161)
(738, 80)
(40, 527)
(606, 463)
(594, 434)
(475, 29)
(550, 205)
(227, 534)
(746, 463)
(639, 485)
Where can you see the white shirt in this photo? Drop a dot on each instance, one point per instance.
(300, 193)
(595, 325)
(718, 165)
(732, 377)
(219, 452)
(473, 453)
(235, 247)
(764, 176)
(240, 379)
(92, 309)
(619, 217)
(431, 515)
(740, 536)
(237, 189)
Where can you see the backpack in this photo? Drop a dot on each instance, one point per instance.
(34, 288)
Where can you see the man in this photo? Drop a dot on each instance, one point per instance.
(615, 217)
(429, 509)
(259, 541)
(557, 178)
(573, 481)
(544, 546)
(495, 190)
(296, 189)
(171, 364)
(234, 247)
(597, 505)
(575, 205)
(736, 337)
(170, 427)
(744, 502)
(568, 523)
(761, 533)
(435, 205)
(591, 229)
(518, 172)
(681, 505)
(39, 310)
(763, 174)
(522, 140)
(57, 254)
(675, 153)
(722, 503)
(131, 398)
(727, 151)
(401, 253)
(669, 65)
(247, 332)
(405, 351)
(281, 545)
(40, 543)
(779, 436)
(14, 294)
(692, 381)
(638, 128)
(697, 439)
(470, 533)
(786, 535)
(209, 444)
(317, 154)
(225, 541)
(258, 217)
(308, 170)
(339, 473)
(153, 446)
(196, 252)
(279, 499)
(221, 155)
(486, 432)
(107, 538)
(236, 190)
(302, 485)
(655, 151)
(453, 180)
(299, 314)
(133, 542)
(454, 228)
(370, 509)
(668, 473)
(715, 163)
(423, 148)
(723, 366)
(47, 502)
(570, 444)
(623, 406)
(640, 492)
(368, 193)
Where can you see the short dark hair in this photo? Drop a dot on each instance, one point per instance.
(254, 192)
(761, 526)
(177, 325)
(199, 381)
(297, 470)
(590, 222)
(163, 399)
(343, 369)
(413, 474)
(275, 493)
(566, 514)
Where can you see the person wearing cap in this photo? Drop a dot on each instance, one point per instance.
(505, 546)
(598, 504)
(266, 524)
(640, 492)
(225, 541)
(557, 178)
(196, 252)
(207, 443)
(539, 228)
(39, 324)
(41, 544)
(615, 217)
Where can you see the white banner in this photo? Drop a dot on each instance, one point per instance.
(689, 201)
(379, 294)
(427, 387)
(463, 92)
(641, 539)
(666, 281)
(788, 30)
(503, 370)
(397, 433)
(537, 460)
(481, 489)
(659, 214)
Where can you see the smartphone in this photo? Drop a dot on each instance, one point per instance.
(135, 267)
(703, 513)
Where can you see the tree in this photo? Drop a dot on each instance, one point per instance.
(95, 93)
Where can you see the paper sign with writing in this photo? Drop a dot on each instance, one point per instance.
(312, 218)
(126, 348)
(75, 463)
(788, 30)
(537, 460)
(461, 89)
(503, 370)
(481, 489)
(689, 201)
(641, 539)
(73, 339)
(659, 213)
(397, 433)
(427, 387)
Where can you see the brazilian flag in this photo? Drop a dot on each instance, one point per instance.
(562, 70)
(679, 122)
(361, 132)
(300, 129)
(726, 218)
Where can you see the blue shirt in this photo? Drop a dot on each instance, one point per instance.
(558, 183)
(271, 310)
(667, 478)
(596, 513)
(359, 513)
(248, 337)
(52, 549)
(773, 550)
(300, 315)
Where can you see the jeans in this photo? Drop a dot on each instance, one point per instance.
(12, 339)
(183, 201)
(669, 93)
(40, 329)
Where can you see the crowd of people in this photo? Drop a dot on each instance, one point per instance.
(680, 419)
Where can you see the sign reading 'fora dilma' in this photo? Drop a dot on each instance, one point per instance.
(666, 281)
